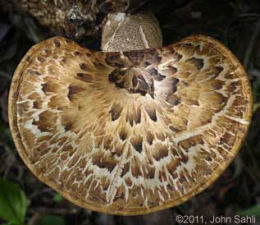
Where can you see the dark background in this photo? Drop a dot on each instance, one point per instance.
(234, 22)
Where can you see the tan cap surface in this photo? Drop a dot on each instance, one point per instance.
(129, 133)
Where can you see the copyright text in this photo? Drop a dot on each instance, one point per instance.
(237, 219)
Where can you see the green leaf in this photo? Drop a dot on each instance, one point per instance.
(51, 220)
(57, 198)
(12, 202)
(11, 224)
(255, 107)
(252, 211)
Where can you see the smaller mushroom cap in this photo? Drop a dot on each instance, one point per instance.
(126, 32)
(132, 132)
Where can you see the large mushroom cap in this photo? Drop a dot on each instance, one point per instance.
(129, 133)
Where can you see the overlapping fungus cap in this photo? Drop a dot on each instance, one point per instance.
(76, 19)
(132, 132)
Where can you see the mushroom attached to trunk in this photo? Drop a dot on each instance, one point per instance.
(129, 132)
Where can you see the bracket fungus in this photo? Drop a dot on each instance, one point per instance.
(134, 130)
(75, 18)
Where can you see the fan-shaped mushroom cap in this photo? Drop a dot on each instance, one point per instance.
(133, 132)
(74, 18)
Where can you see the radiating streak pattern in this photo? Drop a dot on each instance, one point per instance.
(130, 132)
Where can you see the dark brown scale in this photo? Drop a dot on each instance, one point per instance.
(217, 70)
(36, 105)
(73, 90)
(57, 43)
(134, 116)
(152, 56)
(173, 100)
(135, 168)
(149, 137)
(115, 111)
(84, 67)
(182, 179)
(138, 116)
(112, 77)
(77, 53)
(84, 77)
(172, 69)
(193, 102)
(152, 114)
(218, 84)
(123, 135)
(68, 41)
(44, 87)
(172, 166)
(41, 59)
(113, 56)
(120, 84)
(64, 60)
(184, 158)
(160, 136)
(116, 77)
(160, 153)
(208, 158)
(174, 89)
(174, 129)
(136, 57)
(175, 81)
(104, 162)
(198, 63)
(175, 54)
(64, 156)
(156, 75)
(142, 84)
(130, 120)
(134, 81)
(229, 76)
(137, 143)
(186, 144)
(162, 176)
(125, 169)
(108, 143)
(236, 84)
(67, 127)
(45, 122)
(117, 151)
(114, 59)
(147, 64)
(128, 182)
(227, 139)
(47, 51)
(151, 172)
(99, 66)
(34, 72)
(187, 46)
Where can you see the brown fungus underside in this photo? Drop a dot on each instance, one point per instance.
(133, 132)
(75, 19)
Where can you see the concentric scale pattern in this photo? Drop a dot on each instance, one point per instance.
(74, 18)
(133, 132)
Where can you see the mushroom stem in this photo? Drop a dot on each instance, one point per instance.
(126, 32)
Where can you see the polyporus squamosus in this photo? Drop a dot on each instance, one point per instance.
(75, 19)
(129, 132)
